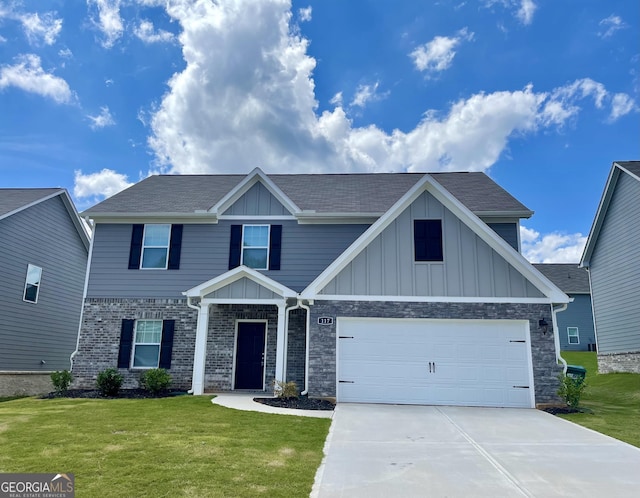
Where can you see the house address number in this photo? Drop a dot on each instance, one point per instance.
(325, 320)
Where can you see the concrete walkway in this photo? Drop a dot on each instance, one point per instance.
(244, 401)
(428, 451)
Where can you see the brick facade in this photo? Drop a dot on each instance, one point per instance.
(322, 357)
(619, 362)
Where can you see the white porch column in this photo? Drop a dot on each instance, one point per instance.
(280, 338)
(197, 383)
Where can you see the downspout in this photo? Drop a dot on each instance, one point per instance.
(556, 335)
(306, 348)
(197, 308)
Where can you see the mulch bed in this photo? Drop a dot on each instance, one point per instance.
(301, 403)
(123, 394)
(556, 410)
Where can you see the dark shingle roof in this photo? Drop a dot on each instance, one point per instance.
(632, 166)
(570, 278)
(371, 193)
(15, 198)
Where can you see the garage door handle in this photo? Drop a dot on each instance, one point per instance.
(429, 367)
(346, 382)
(432, 367)
(521, 387)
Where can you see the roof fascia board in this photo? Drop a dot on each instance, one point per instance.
(234, 275)
(257, 175)
(127, 218)
(434, 299)
(504, 214)
(427, 183)
(603, 206)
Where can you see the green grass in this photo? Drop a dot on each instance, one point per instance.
(182, 446)
(611, 401)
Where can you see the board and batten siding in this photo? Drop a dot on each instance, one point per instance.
(257, 201)
(42, 235)
(615, 271)
(578, 314)
(243, 289)
(386, 267)
(306, 251)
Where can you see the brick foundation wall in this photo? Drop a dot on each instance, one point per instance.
(619, 362)
(100, 338)
(322, 360)
(25, 383)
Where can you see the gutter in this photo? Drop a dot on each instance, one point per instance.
(556, 335)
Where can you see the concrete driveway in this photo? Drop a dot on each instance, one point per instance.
(429, 451)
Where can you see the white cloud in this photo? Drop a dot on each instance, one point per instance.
(145, 31)
(43, 29)
(304, 14)
(552, 247)
(101, 120)
(246, 97)
(28, 75)
(2, 39)
(65, 53)
(610, 25)
(99, 185)
(437, 55)
(621, 104)
(109, 20)
(523, 10)
(365, 94)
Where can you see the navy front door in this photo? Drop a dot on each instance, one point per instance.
(250, 356)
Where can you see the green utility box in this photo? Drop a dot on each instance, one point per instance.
(576, 372)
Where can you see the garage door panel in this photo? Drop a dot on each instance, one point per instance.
(474, 363)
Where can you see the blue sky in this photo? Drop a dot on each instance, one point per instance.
(541, 95)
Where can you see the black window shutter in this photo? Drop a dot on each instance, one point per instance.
(427, 239)
(166, 346)
(175, 247)
(126, 342)
(275, 246)
(137, 232)
(235, 246)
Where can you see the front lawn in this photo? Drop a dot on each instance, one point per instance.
(183, 446)
(612, 401)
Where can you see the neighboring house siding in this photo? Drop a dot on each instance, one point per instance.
(45, 236)
(615, 271)
(578, 314)
(257, 201)
(508, 231)
(306, 251)
(470, 267)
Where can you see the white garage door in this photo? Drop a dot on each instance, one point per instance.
(440, 362)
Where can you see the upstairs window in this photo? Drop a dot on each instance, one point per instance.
(255, 246)
(32, 284)
(573, 335)
(155, 246)
(427, 240)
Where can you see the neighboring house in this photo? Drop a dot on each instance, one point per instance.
(575, 325)
(612, 256)
(396, 288)
(44, 248)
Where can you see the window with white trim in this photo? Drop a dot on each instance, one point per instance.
(146, 344)
(155, 247)
(255, 246)
(32, 284)
(572, 333)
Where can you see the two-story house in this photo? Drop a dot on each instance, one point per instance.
(44, 248)
(393, 288)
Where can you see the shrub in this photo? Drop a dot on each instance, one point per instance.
(61, 381)
(571, 390)
(285, 390)
(155, 380)
(109, 382)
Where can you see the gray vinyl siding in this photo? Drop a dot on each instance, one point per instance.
(42, 235)
(306, 251)
(243, 289)
(615, 271)
(578, 314)
(257, 201)
(470, 267)
(508, 231)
